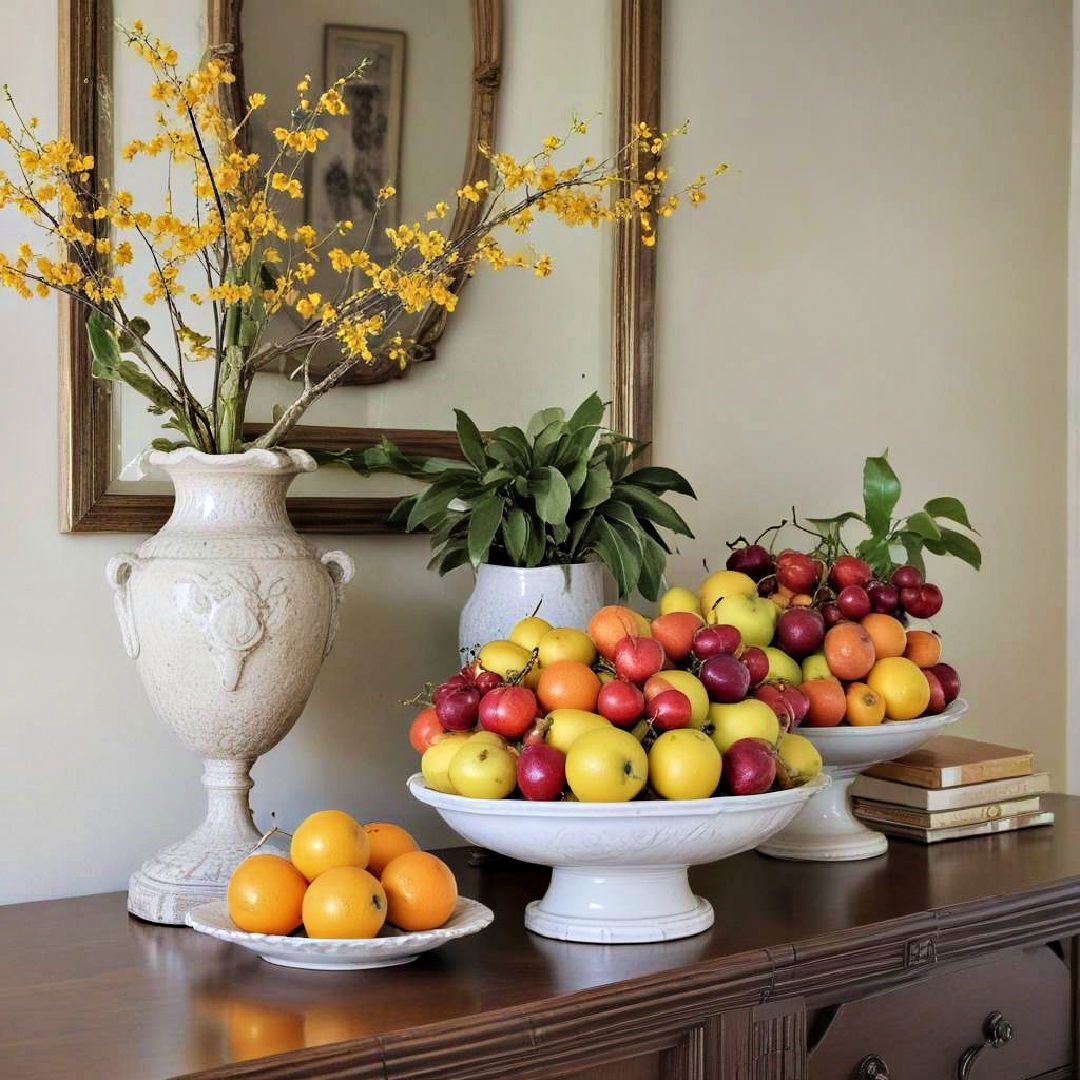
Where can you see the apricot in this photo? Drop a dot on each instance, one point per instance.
(865, 707)
(612, 623)
(828, 702)
(887, 634)
(923, 648)
(849, 650)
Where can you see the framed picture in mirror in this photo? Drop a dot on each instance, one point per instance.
(384, 142)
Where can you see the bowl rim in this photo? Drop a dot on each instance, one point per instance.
(953, 711)
(659, 808)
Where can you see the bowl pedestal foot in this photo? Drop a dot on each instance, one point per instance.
(611, 905)
(825, 830)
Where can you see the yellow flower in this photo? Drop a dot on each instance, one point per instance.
(542, 267)
(256, 101)
(280, 182)
(387, 192)
(552, 142)
(438, 212)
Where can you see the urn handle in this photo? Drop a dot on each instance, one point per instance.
(872, 1067)
(118, 573)
(997, 1031)
(341, 568)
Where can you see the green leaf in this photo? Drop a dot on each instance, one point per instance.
(515, 534)
(923, 524)
(830, 527)
(541, 420)
(103, 347)
(650, 506)
(612, 554)
(962, 547)
(576, 476)
(449, 557)
(653, 563)
(658, 479)
(588, 414)
(400, 514)
(952, 509)
(130, 338)
(596, 488)
(628, 540)
(536, 545)
(514, 447)
(881, 491)
(577, 533)
(913, 546)
(432, 502)
(471, 442)
(574, 446)
(484, 522)
(546, 445)
(551, 493)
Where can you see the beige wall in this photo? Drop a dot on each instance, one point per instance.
(885, 265)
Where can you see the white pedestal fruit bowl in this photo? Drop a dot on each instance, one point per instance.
(619, 870)
(825, 829)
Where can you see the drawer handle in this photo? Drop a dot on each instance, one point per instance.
(997, 1031)
(872, 1068)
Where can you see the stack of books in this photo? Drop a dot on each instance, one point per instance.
(952, 788)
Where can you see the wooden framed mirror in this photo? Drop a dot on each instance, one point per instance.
(90, 498)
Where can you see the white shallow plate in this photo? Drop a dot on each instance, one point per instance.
(391, 947)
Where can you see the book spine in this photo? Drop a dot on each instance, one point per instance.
(982, 772)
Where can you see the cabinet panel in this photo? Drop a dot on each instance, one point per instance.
(646, 1067)
(923, 1030)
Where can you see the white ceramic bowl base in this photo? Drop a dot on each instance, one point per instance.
(826, 830)
(618, 869)
(390, 948)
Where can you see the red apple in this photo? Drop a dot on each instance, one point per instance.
(638, 658)
(675, 632)
(832, 614)
(757, 663)
(670, 709)
(508, 711)
(950, 681)
(486, 681)
(850, 570)
(716, 640)
(937, 701)
(883, 598)
(797, 572)
(749, 767)
(800, 631)
(921, 602)
(448, 686)
(725, 678)
(853, 601)
(541, 772)
(620, 702)
(457, 710)
(906, 577)
(752, 560)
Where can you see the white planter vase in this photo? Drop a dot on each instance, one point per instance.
(228, 614)
(567, 595)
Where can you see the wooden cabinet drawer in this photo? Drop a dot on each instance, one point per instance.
(921, 1031)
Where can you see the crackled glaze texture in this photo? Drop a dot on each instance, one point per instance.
(228, 613)
(564, 595)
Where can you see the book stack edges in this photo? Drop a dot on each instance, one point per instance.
(952, 788)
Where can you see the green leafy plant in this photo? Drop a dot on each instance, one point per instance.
(928, 529)
(564, 490)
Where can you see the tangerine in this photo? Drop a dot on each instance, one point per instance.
(421, 891)
(424, 730)
(568, 684)
(849, 651)
(266, 895)
(611, 624)
(904, 687)
(828, 702)
(923, 648)
(328, 839)
(345, 902)
(387, 843)
(865, 707)
(887, 634)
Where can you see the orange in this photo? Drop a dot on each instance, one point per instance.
(675, 632)
(421, 891)
(568, 684)
(828, 702)
(611, 624)
(923, 648)
(887, 634)
(328, 839)
(865, 707)
(424, 730)
(903, 686)
(266, 895)
(849, 651)
(345, 902)
(387, 843)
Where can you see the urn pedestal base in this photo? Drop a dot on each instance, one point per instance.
(196, 870)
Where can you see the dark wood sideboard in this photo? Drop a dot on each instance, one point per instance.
(894, 967)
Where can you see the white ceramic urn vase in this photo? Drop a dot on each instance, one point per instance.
(566, 594)
(228, 613)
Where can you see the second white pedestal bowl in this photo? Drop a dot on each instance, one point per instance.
(826, 830)
(619, 869)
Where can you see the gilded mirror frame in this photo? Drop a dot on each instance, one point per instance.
(86, 413)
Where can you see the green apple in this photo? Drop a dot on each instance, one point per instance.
(684, 764)
(679, 598)
(689, 684)
(566, 726)
(753, 616)
(723, 583)
(782, 666)
(815, 666)
(748, 719)
(483, 770)
(797, 760)
(606, 766)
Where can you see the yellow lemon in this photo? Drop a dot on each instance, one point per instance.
(684, 764)
(505, 658)
(903, 686)
(797, 760)
(435, 764)
(528, 632)
(566, 726)
(724, 583)
(679, 598)
(606, 766)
